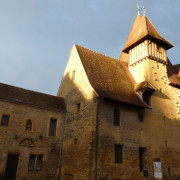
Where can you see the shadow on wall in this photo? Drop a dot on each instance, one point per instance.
(80, 135)
(79, 132)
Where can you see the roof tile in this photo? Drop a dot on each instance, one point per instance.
(20, 95)
(141, 29)
(109, 77)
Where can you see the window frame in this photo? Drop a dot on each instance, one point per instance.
(52, 130)
(5, 124)
(118, 154)
(27, 128)
(39, 163)
(37, 159)
(34, 162)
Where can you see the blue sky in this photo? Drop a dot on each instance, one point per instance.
(36, 35)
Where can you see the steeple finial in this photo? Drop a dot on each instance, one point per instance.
(144, 11)
(138, 7)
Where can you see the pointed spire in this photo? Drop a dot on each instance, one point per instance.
(143, 29)
(144, 11)
(138, 7)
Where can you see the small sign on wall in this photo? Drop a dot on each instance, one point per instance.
(157, 169)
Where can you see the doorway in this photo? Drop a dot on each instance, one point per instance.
(142, 158)
(11, 167)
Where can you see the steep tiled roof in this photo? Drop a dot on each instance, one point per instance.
(143, 28)
(173, 74)
(109, 77)
(16, 94)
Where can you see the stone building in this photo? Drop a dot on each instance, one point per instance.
(112, 119)
(30, 128)
(123, 115)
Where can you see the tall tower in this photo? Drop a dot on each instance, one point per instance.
(145, 46)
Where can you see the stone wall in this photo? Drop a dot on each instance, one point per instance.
(79, 135)
(158, 134)
(88, 151)
(128, 134)
(15, 139)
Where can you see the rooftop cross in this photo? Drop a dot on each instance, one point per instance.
(138, 7)
(144, 11)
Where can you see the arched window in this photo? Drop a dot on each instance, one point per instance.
(28, 125)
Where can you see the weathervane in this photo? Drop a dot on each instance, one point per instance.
(138, 7)
(144, 11)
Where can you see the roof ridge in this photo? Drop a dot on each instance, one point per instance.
(21, 95)
(147, 27)
(98, 53)
(25, 89)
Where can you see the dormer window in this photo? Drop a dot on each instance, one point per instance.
(145, 91)
(146, 95)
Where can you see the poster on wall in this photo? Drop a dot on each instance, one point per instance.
(157, 169)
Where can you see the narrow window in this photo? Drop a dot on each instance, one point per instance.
(169, 170)
(31, 162)
(52, 127)
(141, 117)
(75, 140)
(142, 156)
(116, 117)
(78, 107)
(118, 154)
(39, 162)
(4, 120)
(29, 125)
